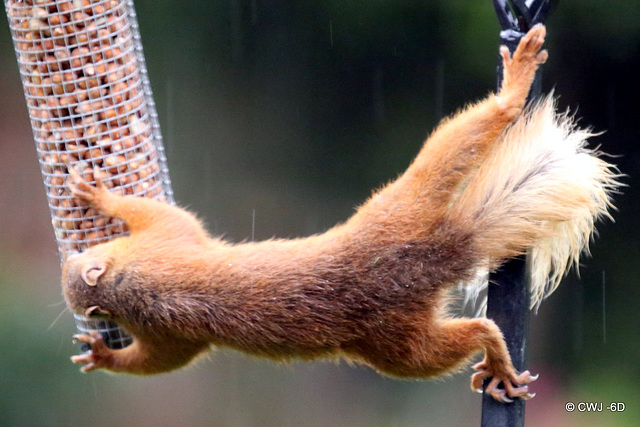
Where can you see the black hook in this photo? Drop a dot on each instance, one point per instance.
(521, 15)
(516, 17)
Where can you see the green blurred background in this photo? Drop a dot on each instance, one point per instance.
(296, 110)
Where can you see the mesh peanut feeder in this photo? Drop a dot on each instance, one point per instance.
(90, 105)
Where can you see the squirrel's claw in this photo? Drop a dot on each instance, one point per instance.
(81, 189)
(514, 385)
(98, 357)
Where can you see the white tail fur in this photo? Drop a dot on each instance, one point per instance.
(541, 190)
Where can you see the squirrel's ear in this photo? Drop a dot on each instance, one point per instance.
(92, 270)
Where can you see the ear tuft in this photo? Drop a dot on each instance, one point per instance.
(92, 270)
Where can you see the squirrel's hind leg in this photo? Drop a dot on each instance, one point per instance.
(441, 346)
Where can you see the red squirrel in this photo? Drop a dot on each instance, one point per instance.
(491, 183)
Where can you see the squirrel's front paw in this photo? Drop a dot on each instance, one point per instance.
(83, 190)
(514, 384)
(100, 356)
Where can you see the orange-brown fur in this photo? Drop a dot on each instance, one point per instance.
(371, 290)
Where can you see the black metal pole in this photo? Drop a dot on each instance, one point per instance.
(508, 295)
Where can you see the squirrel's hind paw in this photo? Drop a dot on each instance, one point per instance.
(514, 385)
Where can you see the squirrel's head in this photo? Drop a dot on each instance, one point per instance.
(92, 281)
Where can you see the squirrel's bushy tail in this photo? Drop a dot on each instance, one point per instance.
(541, 190)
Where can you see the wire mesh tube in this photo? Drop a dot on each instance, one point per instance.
(90, 105)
